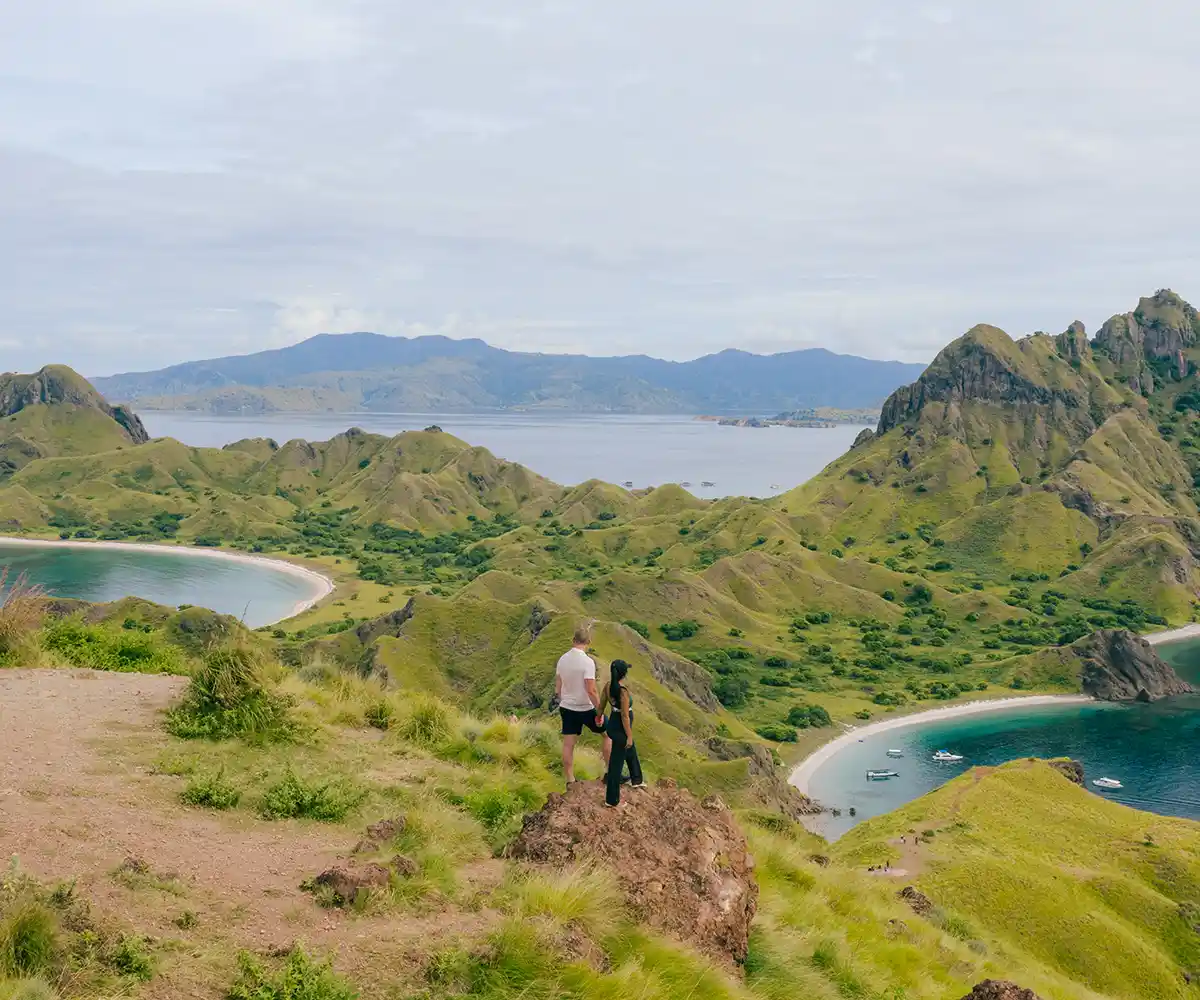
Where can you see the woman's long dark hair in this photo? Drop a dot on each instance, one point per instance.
(619, 669)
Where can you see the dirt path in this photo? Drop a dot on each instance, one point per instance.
(71, 808)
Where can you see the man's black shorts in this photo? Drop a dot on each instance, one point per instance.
(573, 722)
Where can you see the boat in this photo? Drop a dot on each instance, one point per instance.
(895, 753)
(686, 485)
(707, 484)
(628, 484)
(1107, 783)
(882, 775)
(946, 755)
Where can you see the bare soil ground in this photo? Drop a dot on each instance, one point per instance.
(75, 803)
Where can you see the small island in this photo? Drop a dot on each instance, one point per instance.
(818, 417)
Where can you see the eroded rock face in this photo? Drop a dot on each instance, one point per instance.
(1121, 666)
(918, 902)
(999, 989)
(682, 865)
(1072, 770)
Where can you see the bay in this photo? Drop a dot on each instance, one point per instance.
(570, 448)
(1151, 749)
(253, 591)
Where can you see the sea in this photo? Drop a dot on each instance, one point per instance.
(570, 448)
(1151, 749)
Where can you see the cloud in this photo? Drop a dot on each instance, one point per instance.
(212, 176)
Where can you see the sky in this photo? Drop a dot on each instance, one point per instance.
(182, 179)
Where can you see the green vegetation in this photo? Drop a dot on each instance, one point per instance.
(294, 798)
(229, 696)
(300, 978)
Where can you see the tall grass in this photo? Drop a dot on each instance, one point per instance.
(300, 978)
(230, 696)
(21, 615)
(294, 798)
(106, 647)
(29, 940)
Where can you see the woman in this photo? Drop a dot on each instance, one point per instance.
(620, 731)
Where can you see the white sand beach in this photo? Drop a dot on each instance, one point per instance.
(1191, 631)
(322, 586)
(803, 773)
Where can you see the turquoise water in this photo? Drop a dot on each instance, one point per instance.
(255, 592)
(1151, 749)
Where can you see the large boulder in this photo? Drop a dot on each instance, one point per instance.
(999, 989)
(1118, 665)
(682, 865)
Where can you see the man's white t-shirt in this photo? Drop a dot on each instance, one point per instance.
(575, 667)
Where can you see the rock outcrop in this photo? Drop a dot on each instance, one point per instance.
(1072, 770)
(999, 989)
(1121, 666)
(682, 865)
(918, 902)
(59, 384)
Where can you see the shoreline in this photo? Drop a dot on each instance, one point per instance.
(803, 772)
(323, 585)
(1191, 631)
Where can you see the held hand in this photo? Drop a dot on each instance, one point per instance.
(599, 719)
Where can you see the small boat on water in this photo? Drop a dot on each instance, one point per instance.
(707, 484)
(1107, 783)
(628, 484)
(881, 775)
(686, 485)
(947, 756)
(895, 753)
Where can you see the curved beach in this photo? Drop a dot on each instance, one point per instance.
(804, 771)
(322, 586)
(1191, 631)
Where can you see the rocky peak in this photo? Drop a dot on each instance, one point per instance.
(1151, 339)
(986, 365)
(58, 384)
(1073, 344)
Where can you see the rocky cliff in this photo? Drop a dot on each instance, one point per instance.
(1118, 665)
(59, 384)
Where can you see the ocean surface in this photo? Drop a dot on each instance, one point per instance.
(253, 592)
(1151, 749)
(571, 448)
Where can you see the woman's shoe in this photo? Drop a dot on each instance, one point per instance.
(640, 784)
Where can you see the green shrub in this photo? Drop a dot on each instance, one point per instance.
(676, 631)
(102, 647)
(498, 810)
(293, 798)
(777, 733)
(639, 627)
(732, 690)
(429, 725)
(379, 715)
(230, 697)
(130, 957)
(805, 716)
(301, 978)
(212, 792)
(29, 940)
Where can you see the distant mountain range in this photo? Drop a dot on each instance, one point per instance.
(370, 372)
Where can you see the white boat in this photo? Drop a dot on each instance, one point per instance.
(1107, 783)
(946, 755)
(895, 753)
(882, 775)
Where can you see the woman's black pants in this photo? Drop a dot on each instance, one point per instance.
(622, 753)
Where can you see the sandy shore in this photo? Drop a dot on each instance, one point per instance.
(1174, 635)
(803, 773)
(322, 586)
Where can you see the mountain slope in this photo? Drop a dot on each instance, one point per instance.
(366, 371)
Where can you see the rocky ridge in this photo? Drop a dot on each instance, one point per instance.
(1118, 665)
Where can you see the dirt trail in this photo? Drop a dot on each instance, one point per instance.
(71, 808)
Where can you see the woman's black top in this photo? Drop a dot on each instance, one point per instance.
(615, 727)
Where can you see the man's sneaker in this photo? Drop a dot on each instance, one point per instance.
(640, 784)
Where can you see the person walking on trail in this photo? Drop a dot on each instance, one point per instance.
(578, 699)
(620, 731)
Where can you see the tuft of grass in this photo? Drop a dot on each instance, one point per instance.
(29, 940)
(379, 714)
(294, 798)
(26, 989)
(131, 957)
(429, 724)
(212, 792)
(231, 697)
(300, 978)
(21, 615)
(499, 810)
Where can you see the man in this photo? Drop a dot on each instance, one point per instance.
(578, 699)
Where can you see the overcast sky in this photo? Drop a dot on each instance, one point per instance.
(186, 178)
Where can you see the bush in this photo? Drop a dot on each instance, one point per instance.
(229, 697)
(675, 631)
(806, 716)
(131, 958)
(777, 733)
(301, 978)
(640, 628)
(732, 690)
(102, 647)
(29, 941)
(292, 798)
(379, 714)
(213, 792)
(776, 662)
(429, 724)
